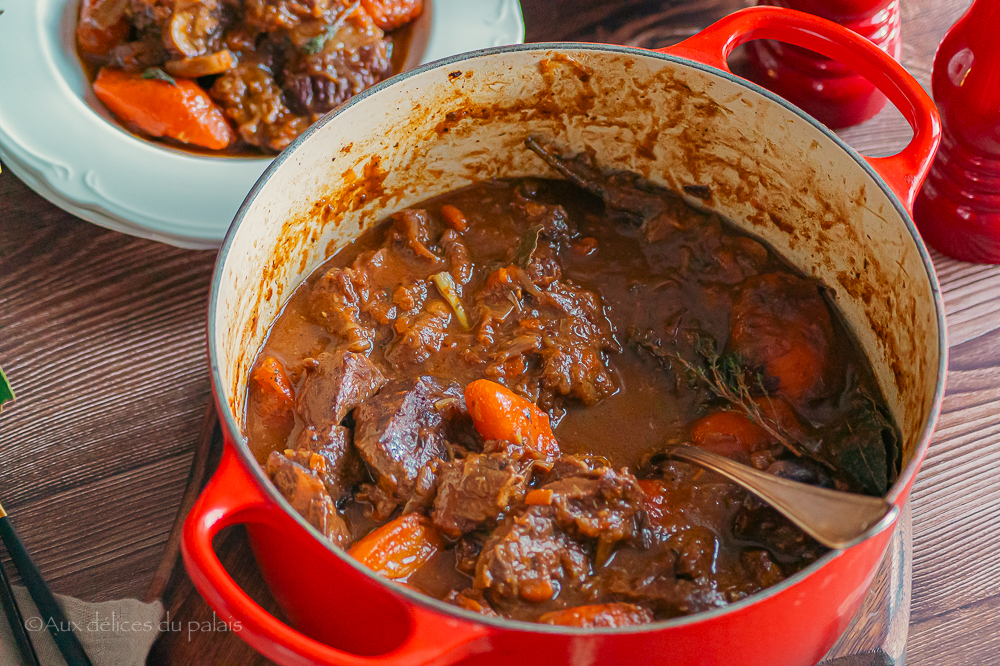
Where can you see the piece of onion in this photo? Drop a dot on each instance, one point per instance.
(446, 285)
(525, 281)
(190, 27)
(204, 65)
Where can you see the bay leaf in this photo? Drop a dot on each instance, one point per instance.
(866, 447)
(526, 248)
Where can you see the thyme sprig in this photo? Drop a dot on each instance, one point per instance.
(729, 378)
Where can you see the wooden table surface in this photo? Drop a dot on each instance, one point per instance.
(103, 337)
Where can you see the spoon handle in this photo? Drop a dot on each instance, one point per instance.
(836, 519)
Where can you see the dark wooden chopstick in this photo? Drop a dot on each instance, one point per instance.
(16, 620)
(52, 614)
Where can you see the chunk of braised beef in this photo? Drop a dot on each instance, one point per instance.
(568, 466)
(761, 567)
(330, 454)
(286, 14)
(595, 503)
(380, 269)
(574, 363)
(425, 488)
(381, 503)
(406, 425)
(544, 268)
(139, 55)
(560, 348)
(355, 57)
(410, 229)
(467, 552)
(673, 216)
(150, 16)
(697, 549)
(334, 303)
(553, 219)
(252, 100)
(474, 491)
(419, 336)
(649, 577)
(510, 450)
(548, 231)
(758, 523)
(528, 558)
(738, 258)
(339, 382)
(308, 496)
(460, 265)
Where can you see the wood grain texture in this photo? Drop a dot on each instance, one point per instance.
(103, 338)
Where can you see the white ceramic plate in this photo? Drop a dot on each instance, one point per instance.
(58, 138)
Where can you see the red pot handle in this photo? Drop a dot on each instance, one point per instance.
(904, 172)
(233, 497)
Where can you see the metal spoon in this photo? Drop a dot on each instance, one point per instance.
(836, 519)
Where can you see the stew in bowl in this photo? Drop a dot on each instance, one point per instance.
(237, 77)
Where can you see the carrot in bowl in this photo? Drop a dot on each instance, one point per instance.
(179, 109)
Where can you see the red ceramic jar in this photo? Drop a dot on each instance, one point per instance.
(676, 117)
(826, 89)
(958, 210)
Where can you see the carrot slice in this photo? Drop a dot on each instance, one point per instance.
(183, 111)
(102, 25)
(733, 434)
(599, 615)
(390, 14)
(799, 369)
(454, 218)
(781, 414)
(538, 497)
(500, 414)
(729, 434)
(781, 323)
(399, 548)
(275, 396)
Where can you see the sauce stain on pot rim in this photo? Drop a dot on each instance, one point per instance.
(543, 51)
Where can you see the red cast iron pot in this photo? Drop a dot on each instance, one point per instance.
(678, 117)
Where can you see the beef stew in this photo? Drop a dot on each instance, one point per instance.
(480, 387)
